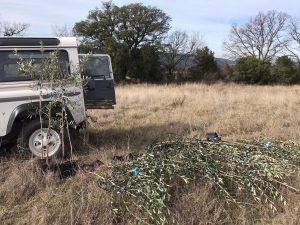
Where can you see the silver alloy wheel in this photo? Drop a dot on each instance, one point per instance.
(44, 141)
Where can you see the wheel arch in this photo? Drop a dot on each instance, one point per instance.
(27, 111)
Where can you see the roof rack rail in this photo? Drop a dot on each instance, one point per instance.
(26, 41)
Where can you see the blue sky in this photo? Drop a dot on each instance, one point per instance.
(211, 19)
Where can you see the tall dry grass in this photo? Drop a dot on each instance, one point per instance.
(145, 114)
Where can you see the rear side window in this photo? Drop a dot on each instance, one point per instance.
(97, 67)
(9, 68)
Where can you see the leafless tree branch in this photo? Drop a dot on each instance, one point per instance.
(13, 29)
(293, 46)
(177, 48)
(261, 37)
(63, 31)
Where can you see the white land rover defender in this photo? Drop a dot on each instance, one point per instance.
(18, 100)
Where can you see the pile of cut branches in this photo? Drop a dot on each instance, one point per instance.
(239, 172)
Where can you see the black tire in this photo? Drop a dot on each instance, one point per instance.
(32, 131)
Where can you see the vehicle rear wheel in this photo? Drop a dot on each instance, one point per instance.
(41, 142)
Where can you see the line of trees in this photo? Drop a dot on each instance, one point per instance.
(138, 39)
(265, 50)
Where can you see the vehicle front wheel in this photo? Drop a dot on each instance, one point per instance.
(42, 142)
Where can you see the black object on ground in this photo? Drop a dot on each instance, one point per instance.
(63, 170)
(213, 136)
(68, 168)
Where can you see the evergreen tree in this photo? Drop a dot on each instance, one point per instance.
(285, 70)
(122, 32)
(251, 70)
(205, 67)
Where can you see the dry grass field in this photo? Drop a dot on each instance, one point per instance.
(145, 114)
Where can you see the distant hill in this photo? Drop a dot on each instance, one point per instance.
(222, 61)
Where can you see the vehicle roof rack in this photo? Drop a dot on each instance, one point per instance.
(25, 41)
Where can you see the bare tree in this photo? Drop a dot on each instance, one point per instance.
(293, 46)
(13, 29)
(63, 31)
(176, 50)
(262, 37)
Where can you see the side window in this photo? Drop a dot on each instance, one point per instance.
(97, 67)
(9, 68)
